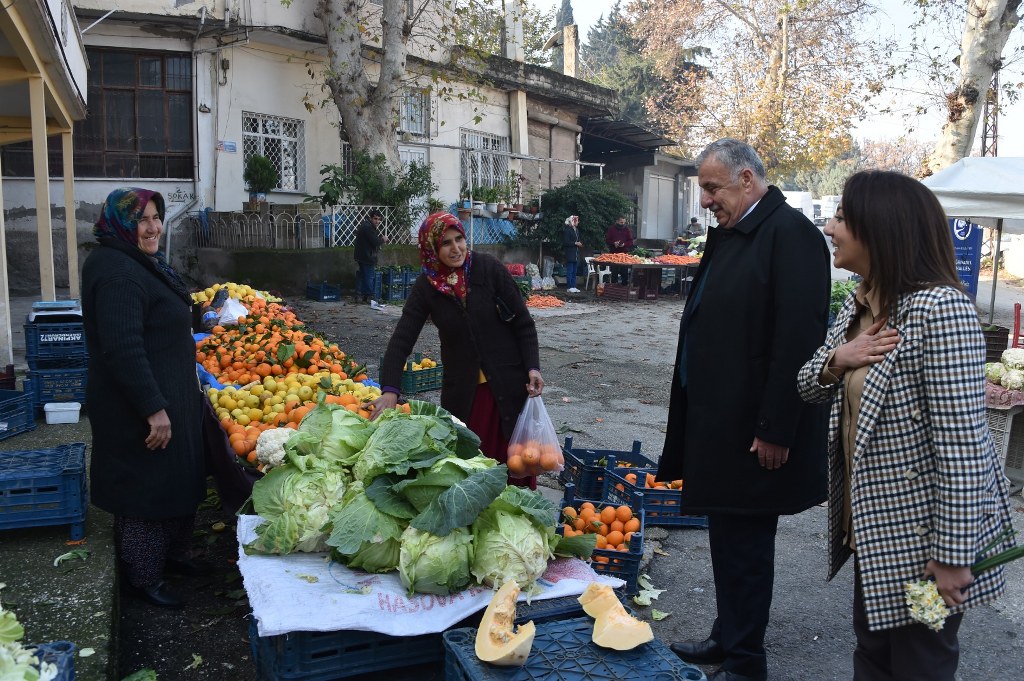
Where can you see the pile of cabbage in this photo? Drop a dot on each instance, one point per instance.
(406, 492)
(18, 662)
(1008, 371)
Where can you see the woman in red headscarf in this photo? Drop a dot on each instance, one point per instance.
(488, 338)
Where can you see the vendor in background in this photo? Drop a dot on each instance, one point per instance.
(619, 239)
(680, 247)
(367, 246)
(571, 245)
(147, 466)
(488, 339)
(694, 228)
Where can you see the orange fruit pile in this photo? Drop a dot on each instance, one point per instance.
(533, 458)
(613, 525)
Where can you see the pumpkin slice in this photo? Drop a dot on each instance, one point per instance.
(613, 627)
(496, 642)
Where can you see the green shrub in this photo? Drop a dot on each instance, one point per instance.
(598, 203)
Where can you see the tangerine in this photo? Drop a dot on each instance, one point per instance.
(632, 525)
(608, 515)
(623, 513)
(516, 467)
(549, 461)
(531, 456)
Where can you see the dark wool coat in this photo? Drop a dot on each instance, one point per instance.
(761, 315)
(472, 338)
(570, 235)
(927, 482)
(141, 360)
(368, 243)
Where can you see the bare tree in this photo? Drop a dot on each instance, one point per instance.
(789, 77)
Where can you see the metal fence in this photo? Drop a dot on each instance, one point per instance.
(301, 226)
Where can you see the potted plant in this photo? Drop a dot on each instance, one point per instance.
(490, 199)
(260, 177)
(435, 205)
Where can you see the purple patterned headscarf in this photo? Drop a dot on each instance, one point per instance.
(119, 217)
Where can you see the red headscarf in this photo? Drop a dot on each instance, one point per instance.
(451, 282)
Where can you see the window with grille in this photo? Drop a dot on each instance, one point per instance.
(282, 140)
(348, 159)
(415, 112)
(139, 122)
(480, 167)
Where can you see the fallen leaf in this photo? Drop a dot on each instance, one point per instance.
(86, 652)
(660, 552)
(197, 660)
(76, 554)
(658, 615)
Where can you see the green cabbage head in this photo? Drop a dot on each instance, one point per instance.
(508, 546)
(435, 565)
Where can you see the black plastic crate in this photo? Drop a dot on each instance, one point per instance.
(323, 292)
(56, 385)
(661, 506)
(326, 656)
(17, 413)
(622, 564)
(585, 467)
(564, 651)
(43, 487)
(54, 341)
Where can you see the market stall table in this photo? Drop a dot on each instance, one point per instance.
(644, 280)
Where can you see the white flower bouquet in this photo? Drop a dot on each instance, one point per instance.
(923, 598)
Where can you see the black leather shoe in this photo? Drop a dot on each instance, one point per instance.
(726, 675)
(189, 567)
(157, 594)
(699, 652)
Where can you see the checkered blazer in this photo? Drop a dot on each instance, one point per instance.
(927, 483)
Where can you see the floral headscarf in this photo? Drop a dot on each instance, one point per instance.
(119, 222)
(451, 282)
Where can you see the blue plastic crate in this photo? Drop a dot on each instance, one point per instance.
(56, 385)
(54, 341)
(622, 564)
(585, 467)
(44, 487)
(564, 651)
(323, 292)
(17, 413)
(378, 284)
(661, 506)
(326, 656)
(62, 655)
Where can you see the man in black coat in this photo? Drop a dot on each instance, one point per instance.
(746, 446)
(368, 243)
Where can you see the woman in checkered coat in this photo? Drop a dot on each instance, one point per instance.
(915, 485)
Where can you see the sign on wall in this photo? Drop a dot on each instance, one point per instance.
(967, 251)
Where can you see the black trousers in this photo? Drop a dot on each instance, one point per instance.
(908, 653)
(743, 560)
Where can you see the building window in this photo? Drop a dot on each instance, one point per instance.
(282, 141)
(415, 112)
(139, 122)
(481, 167)
(348, 158)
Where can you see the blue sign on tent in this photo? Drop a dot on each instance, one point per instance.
(967, 250)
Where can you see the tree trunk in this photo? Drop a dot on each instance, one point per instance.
(368, 111)
(988, 26)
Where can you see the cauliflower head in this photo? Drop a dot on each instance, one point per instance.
(1013, 379)
(1013, 358)
(270, 446)
(994, 371)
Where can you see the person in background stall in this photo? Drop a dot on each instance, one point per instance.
(619, 239)
(680, 247)
(145, 406)
(916, 489)
(694, 228)
(571, 245)
(488, 338)
(367, 246)
(747, 446)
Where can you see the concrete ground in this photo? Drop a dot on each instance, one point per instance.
(607, 367)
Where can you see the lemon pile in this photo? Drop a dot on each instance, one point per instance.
(425, 363)
(261, 402)
(242, 292)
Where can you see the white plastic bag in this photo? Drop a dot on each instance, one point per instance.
(230, 312)
(534, 448)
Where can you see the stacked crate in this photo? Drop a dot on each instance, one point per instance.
(56, 355)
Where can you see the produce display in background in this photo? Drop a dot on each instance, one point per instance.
(539, 302)
(425, 363)
(242, 292)
(409, 491)
(670, 259)
(1009, 371)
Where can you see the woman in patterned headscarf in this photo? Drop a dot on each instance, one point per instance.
(144, 401)
(488, 339)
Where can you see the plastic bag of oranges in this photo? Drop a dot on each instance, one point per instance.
(534, 448)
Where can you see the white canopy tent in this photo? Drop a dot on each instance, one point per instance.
(985, 187)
